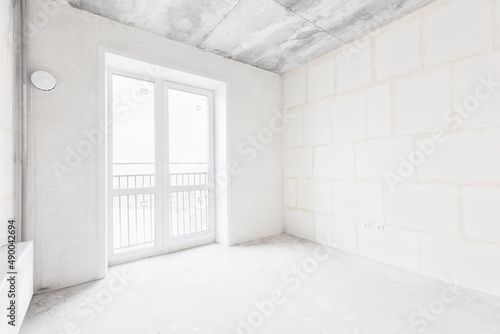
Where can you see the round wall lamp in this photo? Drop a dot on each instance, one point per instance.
(43, 81)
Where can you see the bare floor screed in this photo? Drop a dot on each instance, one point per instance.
(276, 285)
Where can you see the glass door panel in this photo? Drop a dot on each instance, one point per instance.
(133, 164)
(189, 161)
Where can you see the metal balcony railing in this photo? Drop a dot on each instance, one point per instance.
(134, 215)
(134, 219)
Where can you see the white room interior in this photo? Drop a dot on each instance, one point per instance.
(352, 162)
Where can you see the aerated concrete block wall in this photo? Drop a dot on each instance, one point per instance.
(7, 115)
(402, 128)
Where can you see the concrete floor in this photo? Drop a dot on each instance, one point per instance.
(213, 289)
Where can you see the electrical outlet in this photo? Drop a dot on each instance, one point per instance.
(366, 224)
(379, 227)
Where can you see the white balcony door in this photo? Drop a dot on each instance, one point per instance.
(188, 160)
(160, 166)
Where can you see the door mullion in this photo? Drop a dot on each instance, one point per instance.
(160, 207)
(167, 218)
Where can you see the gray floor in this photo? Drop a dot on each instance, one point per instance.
(213, 289)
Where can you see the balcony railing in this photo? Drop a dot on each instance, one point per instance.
(147, 180)
(188, 212)
(133, 181)
(134, 219)
(134, 215)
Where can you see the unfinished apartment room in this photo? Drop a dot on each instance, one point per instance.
(250, 167)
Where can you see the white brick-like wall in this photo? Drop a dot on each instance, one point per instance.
(295, 89)
(315, 195)
(394, 246)
(457, 28)
(335, 161)
(413, 143)
(358, 200)
(481, 207)
(336, 231)
(378, 110)
(348, 117)
(298, 162)
(375, 157)
(429, 208)
(299, 224)
(466, 77)
(398, 49)
(316, 123)
(321, 79)
(420, 101)
(473, 264)
(292, 133)
(467, 156)
(290, 192)
(354, 71)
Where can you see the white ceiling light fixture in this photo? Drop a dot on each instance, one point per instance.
(43, 81)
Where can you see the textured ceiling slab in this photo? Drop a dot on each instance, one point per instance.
(265, 34)
(348, 20)
(188, 22)
(275, 35)
(288, 3)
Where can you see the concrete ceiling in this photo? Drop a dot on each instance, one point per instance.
(275, 35)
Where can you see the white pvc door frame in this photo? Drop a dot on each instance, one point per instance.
(162, 188)
(210, 186)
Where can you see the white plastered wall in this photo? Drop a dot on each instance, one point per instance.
(63, 214)
(363, 109)
(8, 107)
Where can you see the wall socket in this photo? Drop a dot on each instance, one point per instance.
(379, 227)
(366, 224)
